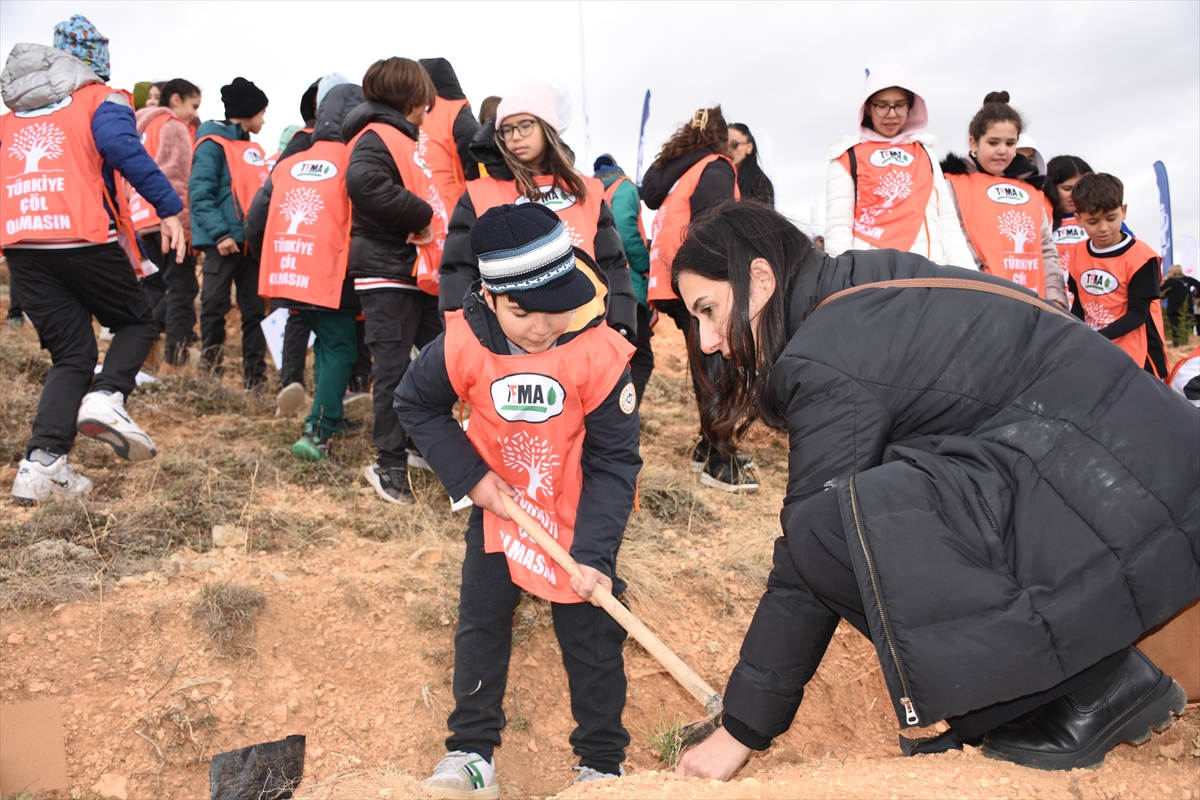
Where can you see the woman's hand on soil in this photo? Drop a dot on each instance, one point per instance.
(717, 757)
(422, 237)
(486, 494)
(591, 577)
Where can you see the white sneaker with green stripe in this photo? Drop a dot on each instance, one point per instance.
(464, 776)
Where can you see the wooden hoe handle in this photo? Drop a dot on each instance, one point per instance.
(688, 679)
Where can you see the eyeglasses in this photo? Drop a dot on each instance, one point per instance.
(734, 144)
(882, 109)
(524, 127)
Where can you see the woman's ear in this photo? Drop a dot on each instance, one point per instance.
(762, 279)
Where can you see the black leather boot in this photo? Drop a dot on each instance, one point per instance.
(1066, 734)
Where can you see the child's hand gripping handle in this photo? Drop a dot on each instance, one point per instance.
(688, 679)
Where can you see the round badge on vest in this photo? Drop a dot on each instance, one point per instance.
(1099, 282)
(527, 397)
(253, 157)
(553, 198)
(891, 157)
(1007, 193)
(314, 170)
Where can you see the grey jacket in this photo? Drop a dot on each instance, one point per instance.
(36, 75)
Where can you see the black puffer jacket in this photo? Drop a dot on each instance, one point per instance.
(384, 213)
(445, 80)
(340, 101)
(714, 187)
(460, 265)
(1007, 497)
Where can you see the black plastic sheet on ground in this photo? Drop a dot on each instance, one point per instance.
(265, 771)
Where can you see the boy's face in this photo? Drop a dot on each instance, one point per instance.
(1103, 227)
(532, 331)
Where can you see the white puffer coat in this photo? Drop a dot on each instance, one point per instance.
(944, 243)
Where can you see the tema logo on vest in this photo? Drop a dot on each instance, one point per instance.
(527, 397)
(1070, 234)
(1098, 281)
(315, 170)
(891, 156)
(1008, 194)
(254, 157)
(553, 198)
(44, 110)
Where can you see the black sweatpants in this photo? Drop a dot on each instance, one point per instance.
(396, 322)
(172, 292)
(295, 350)
(591, 643)
(814, 556)
(642, 363)
(61, 290)
(220, 274)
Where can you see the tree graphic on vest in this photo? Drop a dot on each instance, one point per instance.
(535, 456)
(35, 142)
(895, 185)
(1017, 226)
(1097, 316)
(300, 206)
(572, 234)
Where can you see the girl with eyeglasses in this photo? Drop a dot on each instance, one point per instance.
(884, 188)
(527, 161)
(1002, 215)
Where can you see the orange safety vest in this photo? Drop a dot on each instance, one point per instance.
(1184, 371)
(272, 160)
(1103, 285)
(440, 151)
(581, 220)
(141, 213)
(1003, 218)
(51, 171)
(892, 184)
(1066, 234)
(307, 236)
(247, 169)
(670, 224)
(418, 179)
(527, 423)
(611, 192)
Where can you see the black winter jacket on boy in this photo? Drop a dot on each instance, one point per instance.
(424, 402)
(383, 211)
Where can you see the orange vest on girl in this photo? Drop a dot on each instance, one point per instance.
(611, 192)
(440, 151)
(892, 184)
(1003, 218)
(1185, 371)
(580, 218)
(51, 172)
(1103, 286)
(247, 169)
(418, 179)
(307, 236)
(141, 213)
(1066, 234)
(527, 423)
(670, 222)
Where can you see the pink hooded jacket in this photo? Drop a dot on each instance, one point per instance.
(174, 156)
(945, 244)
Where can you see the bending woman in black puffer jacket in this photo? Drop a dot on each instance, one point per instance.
(976, 482)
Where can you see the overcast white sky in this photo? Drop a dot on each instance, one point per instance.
(1115, 83)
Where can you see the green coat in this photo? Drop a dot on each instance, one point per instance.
(210, 196)
(626, 209)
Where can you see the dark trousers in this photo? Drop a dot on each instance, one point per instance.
(360, 378)
(221, 273)
(14, 301)
(172, 293)
(591, 643)
(61, 290)
(295, 350)
(642, 363)
(334, 353)
(396, 322)
(817, 555)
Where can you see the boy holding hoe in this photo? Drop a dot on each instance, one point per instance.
(554, 426)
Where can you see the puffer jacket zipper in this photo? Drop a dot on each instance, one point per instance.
(910, 714)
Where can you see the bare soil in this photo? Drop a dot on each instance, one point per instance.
(353, 646)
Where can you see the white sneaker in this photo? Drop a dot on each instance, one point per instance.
(587, 774)
(416, 461)
(290, 399)
(102, 416)
(464, 776)
(38, 482)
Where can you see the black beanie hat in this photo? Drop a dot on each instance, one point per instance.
(525, 252)
(242, 99)
(308, 103)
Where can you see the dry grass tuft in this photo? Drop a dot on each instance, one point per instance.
(226, 612)
(47, 572)
(180, 733)
(390, 782)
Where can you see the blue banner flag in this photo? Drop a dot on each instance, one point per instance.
(1164, 210)
(642, 137)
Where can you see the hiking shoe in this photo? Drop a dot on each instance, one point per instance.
(102, 416)
(463, 776)
(290, 400)
(312, 448)
(415, 459)
(42, 477)
(588, 774)
(347, 427)
(702, 451)
(724, 473)
(391, 483)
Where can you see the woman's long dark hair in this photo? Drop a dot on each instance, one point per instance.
(1059, 170)
(719, 246)
(753, 183)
